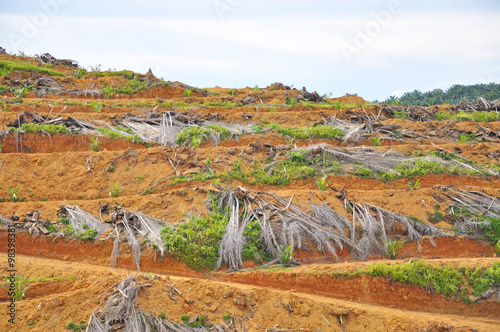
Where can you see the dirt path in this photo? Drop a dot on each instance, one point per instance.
(79, 289)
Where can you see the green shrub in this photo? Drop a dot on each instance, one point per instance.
(79, 73)
(108, 91)
(468, 116)
(115, 190)
(95, 145)
(96, 107)
(414, 184)
(291, 101)
(196, 242)
(443, 278)
(198, 135)
(52, 228)
(363, 172)
(322, 184)
(393, 248)
(37, 128)
(76, 327)
(133, 86)
(376, 141)
(466, 138)
(482, 279)
(14, 195)
(188, 93)
(236, 173)
(286, 256)
(496, 248)
(87, 235)
(115, 134)
(436, 216)
(20, 286)
(442, 116)
(400, 115)
(254, 247)
(321, 131)
(63, 220)
(14, 65)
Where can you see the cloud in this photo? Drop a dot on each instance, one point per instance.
(427, 45)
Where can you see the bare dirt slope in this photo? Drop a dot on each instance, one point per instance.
(80, 288)
(275, 129)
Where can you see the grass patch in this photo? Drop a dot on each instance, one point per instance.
(476, 116)
(116, 134)
(489, 230)
(38, 128)
(300, 165)
(76, 326)
(458, 283)
(321, 131)
(87, 235)
(11, 66)
(133, 86)
(198, 135)
(196, 242)
(444, 280)
(421, 167)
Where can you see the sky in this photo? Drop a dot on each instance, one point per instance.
(375, 48)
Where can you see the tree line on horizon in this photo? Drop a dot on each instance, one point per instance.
(454, 95)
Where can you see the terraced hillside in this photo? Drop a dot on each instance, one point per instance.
(243, 209)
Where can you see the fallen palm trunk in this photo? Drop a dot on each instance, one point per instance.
(473, 212)
(120, 313)
(388, 161)
(286, 224)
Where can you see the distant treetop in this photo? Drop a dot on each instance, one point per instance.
(454, 95)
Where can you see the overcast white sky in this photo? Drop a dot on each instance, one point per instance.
(375, 48)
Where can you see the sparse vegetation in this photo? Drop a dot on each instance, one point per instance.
(96, 107)
(108, 91)
(286, 256)
(22, 66)
(291, 101)
(322, 184)
(196, 242)
(95, 145)
(197, 135)
(376, 141)
(117, 134)
(321, 131)
(77, 327)
(87, 235)
(393, 248)
(14, 195)
(115, 190)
